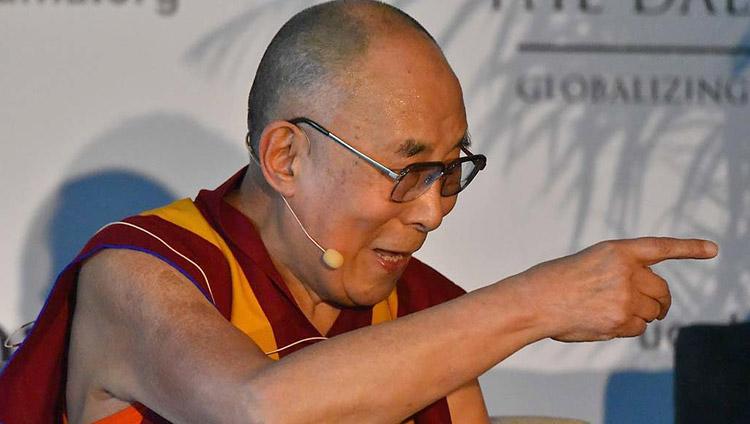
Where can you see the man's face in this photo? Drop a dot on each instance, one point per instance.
(408, 108)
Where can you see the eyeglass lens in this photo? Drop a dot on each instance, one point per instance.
(418, 179)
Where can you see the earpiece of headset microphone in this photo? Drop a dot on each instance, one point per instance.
(331, 257)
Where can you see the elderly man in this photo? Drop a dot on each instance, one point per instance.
(226, 309)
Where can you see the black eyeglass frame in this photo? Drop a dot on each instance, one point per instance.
(480, 161)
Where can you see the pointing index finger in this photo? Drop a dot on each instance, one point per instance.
(652, 250)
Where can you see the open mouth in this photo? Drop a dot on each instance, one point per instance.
(391, 261)
(391, 256)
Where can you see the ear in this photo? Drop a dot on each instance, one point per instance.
(281, 146)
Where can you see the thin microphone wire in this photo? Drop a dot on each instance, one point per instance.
(254, 159)
(302, 226)
(295, 344)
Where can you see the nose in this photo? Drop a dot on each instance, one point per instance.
(426, 212)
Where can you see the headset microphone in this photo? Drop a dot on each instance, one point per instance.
(331, 257)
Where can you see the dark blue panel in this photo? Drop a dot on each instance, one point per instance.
(87, 203)
(634, 397)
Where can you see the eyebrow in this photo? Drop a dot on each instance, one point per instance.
(465, 140)
(412, 147)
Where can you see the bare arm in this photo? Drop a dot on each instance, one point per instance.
(143, 333)
(168, 348)
(467, 405)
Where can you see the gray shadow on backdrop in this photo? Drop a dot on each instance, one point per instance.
(164, 150)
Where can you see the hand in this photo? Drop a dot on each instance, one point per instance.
(608, 290)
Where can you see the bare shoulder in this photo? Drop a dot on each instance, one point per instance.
(133, 318)
(126, 284)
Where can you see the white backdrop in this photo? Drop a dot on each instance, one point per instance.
(601, 119)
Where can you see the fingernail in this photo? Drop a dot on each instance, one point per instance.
(711, 247)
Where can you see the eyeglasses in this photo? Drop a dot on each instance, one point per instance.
(417, 178)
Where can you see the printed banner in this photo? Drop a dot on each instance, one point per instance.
(600, 119)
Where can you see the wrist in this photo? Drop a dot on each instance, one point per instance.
(525, 306)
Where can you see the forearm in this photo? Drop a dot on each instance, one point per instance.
(387, 372)
(142, 332)
(466, 404)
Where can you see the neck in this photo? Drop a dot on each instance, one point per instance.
(266, 210)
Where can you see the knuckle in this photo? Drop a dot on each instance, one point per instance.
(608, 247)
(661, 290)
(667, 302)
(619, 316)
(622, 269)
(617, 260)
(655, 311)
(625, 296)
(665, 295)
(634, 327)
(600, 249)
(639, 327)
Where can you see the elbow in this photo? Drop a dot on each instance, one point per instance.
(261, 406)
(272, 402)
(254, 411)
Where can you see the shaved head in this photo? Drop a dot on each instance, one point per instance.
(313, 57)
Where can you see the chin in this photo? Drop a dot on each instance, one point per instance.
(370, 295)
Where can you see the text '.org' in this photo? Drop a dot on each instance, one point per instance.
(162, 7)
